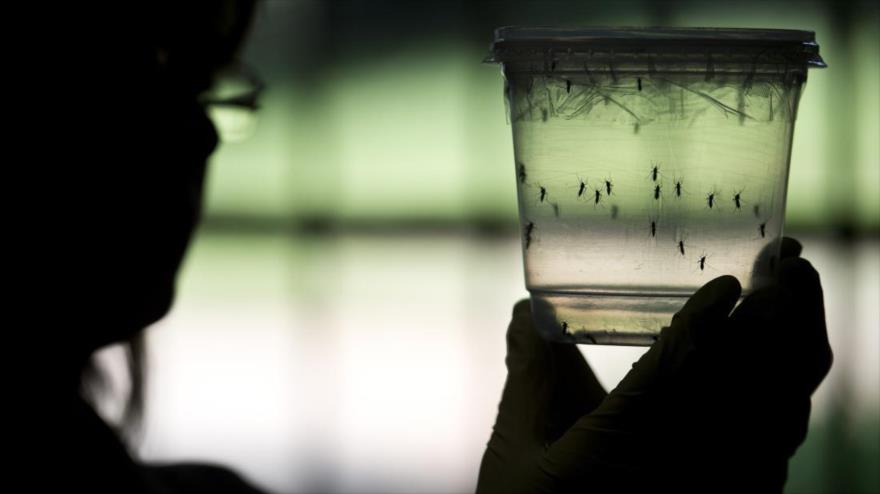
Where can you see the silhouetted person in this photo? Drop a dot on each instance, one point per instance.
(137, 138)
(720, 402)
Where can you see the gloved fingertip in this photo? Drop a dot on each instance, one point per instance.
(524, 344)
(706, 308)
(523, 307)
(790, 248)
(520, 324)
(719, 293)
(799, 276)
(726, 289)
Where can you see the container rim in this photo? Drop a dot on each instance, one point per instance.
(511, 42)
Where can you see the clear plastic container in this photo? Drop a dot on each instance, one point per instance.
(648, 161)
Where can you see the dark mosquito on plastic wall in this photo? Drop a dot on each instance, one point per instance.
(582, 187)
(680, 244)
(527, 234)
(677, 188)
(655, 171)
(762, 227)
(712, 199)
(737, 199)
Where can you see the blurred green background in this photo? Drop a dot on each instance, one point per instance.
(337, 140)
(360, 237)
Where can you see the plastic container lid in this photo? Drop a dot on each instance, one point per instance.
(676, 45)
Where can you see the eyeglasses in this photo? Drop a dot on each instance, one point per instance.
(233, 101)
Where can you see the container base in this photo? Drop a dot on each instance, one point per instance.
(603, 319)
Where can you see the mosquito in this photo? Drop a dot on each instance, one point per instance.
(521, 172)
(678, 188)
(710, 199)
(608, 185)
(702, 262)
(543, 193)
(598, 196)
(653, 228)
(763, 229)
(655, 172)
(737, 199)
(639, 82)
(582, 187)
(657, 191)
(681, 244)
(568, 85)
(528, 233)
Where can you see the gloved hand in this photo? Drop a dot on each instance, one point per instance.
(719, 403)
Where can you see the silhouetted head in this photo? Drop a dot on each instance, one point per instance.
(141, 139)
